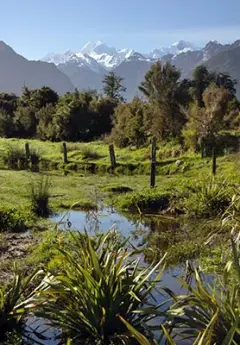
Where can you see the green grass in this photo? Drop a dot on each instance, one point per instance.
(80, 155)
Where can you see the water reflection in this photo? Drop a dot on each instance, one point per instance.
(140, 230)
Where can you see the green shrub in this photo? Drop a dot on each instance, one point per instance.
(14, 220)
(148, 200)
(118, 189)
(89, 153)
(13, 307)
(208, 198)
(98, 280)
(40, 195)
(16, 158)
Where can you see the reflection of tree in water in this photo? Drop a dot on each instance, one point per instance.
(92, 221)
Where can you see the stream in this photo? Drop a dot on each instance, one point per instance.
(102, 221)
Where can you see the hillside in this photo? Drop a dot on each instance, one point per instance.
(16, 71)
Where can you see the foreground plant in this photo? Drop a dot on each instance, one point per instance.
(99, 281)
(14, 304)
(40, 194)
(209, 198)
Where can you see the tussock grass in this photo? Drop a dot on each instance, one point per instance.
(40, 194)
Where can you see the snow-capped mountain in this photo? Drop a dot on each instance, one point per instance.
(93, 55)
(97, 55)
(175, 49)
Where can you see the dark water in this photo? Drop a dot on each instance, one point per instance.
(135, 228)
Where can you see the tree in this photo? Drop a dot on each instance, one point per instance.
(202, 78)
(164, 90)
(7, 127)
(224, 80)
(9, 102)
(73, 119)
(113, 87)
(39, 98)
(25, 122)
(102, 110)
(45, 127)
(129, 123)
(205, 122)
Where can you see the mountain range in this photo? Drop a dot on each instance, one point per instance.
(86, 68)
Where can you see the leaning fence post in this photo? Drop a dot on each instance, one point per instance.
(153, 163)
(65, 160)
(214, 161)
(27, 151)
(112, 156)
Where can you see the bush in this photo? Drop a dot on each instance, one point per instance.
(90, 153)
(118, 189)
(40, 197)
(13, 220)
(209, 198)
(16, 158)
(13, 307)
(146, 201)
(98, 280)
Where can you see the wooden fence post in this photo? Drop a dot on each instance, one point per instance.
(27, 151)
(65, 160)
(153, 163)
(112, 156)
(214, 161)
(202, 148)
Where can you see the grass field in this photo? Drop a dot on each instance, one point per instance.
(86, 190)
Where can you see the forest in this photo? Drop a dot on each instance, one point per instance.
(189, 111)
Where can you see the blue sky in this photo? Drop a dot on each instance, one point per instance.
(35, 27)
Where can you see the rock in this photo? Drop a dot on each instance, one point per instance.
(179, 162)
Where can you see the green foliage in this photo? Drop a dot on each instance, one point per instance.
(89, 153)
(208, 198)
(9, 102)
(210, 315)
(14, 220)
(25, 122)
(13, 307)
(112, 86)
(45, 128)
(205, 123)
(148, 200)
(129, 124)
(40, 194)
(7, 127)
(98, 281)
(38, 98)
(15, 157)
(118, 189)
(164, 90)
(202, 78)
(164, 111)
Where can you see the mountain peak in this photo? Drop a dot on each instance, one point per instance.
(90, 46)
(5, 48)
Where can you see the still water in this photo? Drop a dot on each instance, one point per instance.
(102, 221)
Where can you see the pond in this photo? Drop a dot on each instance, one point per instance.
(135, 228)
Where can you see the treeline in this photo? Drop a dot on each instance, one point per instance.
(189, 110)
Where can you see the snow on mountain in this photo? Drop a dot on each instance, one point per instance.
(98, 56)
(69, 57)
(58, 58)
(107, 57)
(94, 55)
(175, 49)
